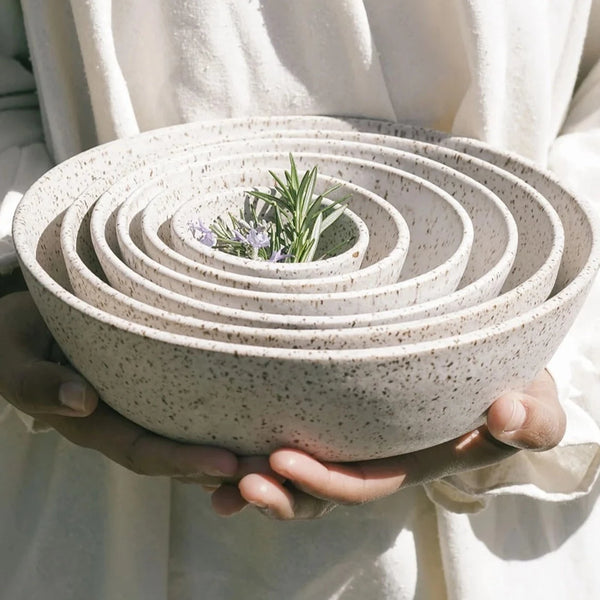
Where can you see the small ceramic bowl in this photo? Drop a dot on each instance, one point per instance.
(151, 231)
(207, 392)
(434, 216)
(343, 244)
(430, 229)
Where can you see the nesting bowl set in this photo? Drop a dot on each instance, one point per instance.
(457, 271)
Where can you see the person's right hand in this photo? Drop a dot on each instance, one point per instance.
(34, 381)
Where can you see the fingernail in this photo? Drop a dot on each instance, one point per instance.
(517, 418)
(72, 395)
(263, 509)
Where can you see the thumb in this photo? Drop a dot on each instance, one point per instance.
(48, 388)
(530, 420)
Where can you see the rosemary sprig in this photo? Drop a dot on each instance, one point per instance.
(292, 227)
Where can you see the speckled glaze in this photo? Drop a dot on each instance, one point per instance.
(436, 221)
(337, 404)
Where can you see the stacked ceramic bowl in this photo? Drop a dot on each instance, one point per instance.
(452, 275)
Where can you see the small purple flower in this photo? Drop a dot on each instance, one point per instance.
(202, 233)
(198, 226)
(238, 237)
(279, 255)
(258, 238)
(209, 239)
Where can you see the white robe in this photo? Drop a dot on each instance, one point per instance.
(74, 525)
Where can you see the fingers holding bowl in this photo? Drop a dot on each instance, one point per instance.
(309, 488)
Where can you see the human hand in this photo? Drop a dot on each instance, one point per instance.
(34, 381)
(307, 488)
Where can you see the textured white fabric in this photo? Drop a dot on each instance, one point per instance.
(23, 155)
(78, 526)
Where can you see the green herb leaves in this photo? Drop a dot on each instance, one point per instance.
(288, 231)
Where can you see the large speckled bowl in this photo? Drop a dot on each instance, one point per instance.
(339, 404)
(163, 228)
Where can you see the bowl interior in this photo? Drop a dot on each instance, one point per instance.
(130, 243)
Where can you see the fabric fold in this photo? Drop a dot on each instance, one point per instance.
(570, 470)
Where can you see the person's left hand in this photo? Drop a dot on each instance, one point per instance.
(307, 488)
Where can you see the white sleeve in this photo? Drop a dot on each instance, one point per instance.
(569, 470)
(23, 155)
(23, 158)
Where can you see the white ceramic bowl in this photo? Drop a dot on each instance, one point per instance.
(202, 391)
(486, 314)
(345, 242)
(460, 322)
